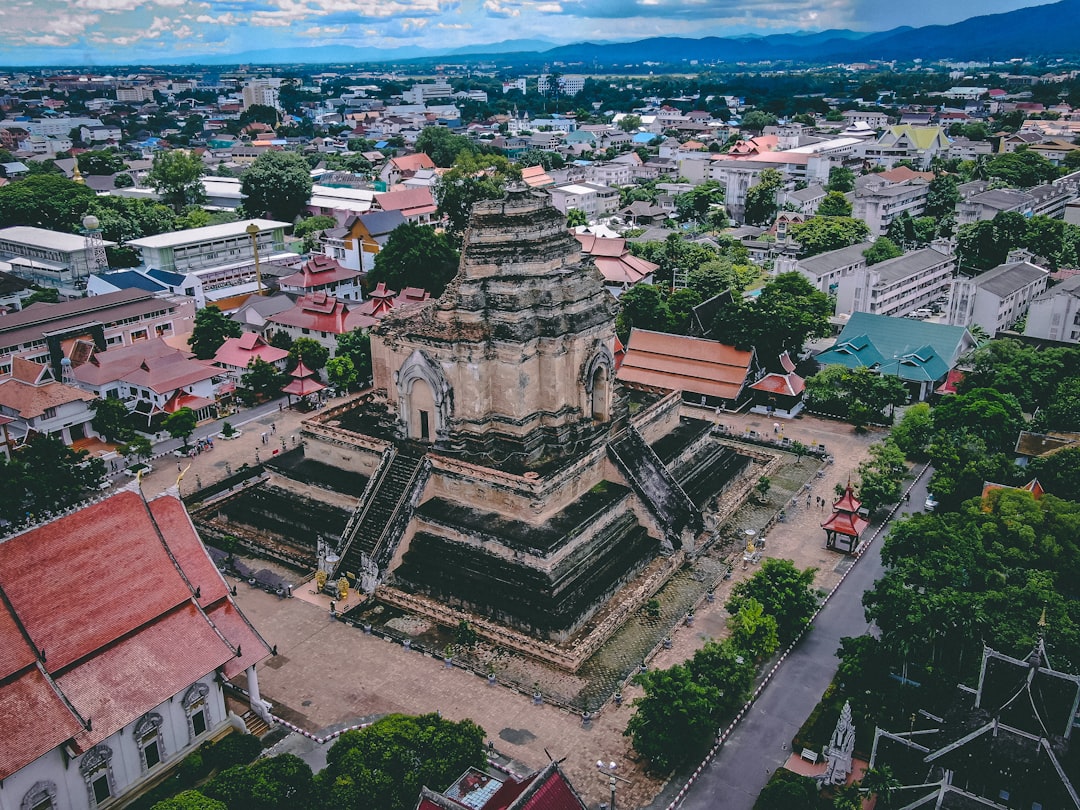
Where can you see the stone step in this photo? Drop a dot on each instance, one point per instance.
(255, 724)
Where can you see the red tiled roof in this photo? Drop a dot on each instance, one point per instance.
(152, 364)
(142, 670)
(408, 201)
(788, 385)
(952, 379)
(240, 351)
(681, 363)
(27, 371)
(317, 311)
(902, 173)
(31, 401)
(846, 523)
(413, 162)
(184, 400)
(106, 597)
(33, 720)
(847, 502)
(303, 386)
(317, 271)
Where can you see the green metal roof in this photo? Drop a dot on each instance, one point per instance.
(910, 349)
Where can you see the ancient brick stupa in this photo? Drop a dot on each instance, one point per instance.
(505, 472)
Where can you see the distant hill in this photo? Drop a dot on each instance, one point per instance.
(506, 46)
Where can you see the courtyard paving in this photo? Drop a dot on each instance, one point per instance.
(328, 673)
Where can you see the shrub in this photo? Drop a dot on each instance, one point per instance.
(236, 749)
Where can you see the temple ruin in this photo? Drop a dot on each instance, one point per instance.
(499, 467)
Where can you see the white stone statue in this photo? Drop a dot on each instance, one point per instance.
(839, 750)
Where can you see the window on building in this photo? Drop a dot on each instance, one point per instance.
(50, 413)
(96, 768)
(42, 796)
(148, 738)
(139, 334)
(102, 788)
(194, 703)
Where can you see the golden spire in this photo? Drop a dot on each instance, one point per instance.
(76, 175)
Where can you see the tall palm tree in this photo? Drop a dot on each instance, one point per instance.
(881, 782)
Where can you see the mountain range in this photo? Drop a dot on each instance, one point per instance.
(1046, 30)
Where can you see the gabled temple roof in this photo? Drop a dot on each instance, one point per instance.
(680, 363)
(83, 656)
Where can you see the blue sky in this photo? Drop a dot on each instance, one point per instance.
(128, 30)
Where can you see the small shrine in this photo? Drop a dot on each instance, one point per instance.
(303, 383)
(845, 527)
(779, 395)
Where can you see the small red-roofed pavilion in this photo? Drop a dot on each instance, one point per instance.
(303, 382)
(845, 527)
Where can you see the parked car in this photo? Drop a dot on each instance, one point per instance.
(931, 502)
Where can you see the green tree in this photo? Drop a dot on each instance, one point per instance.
(1022, 168)
(1058, 472)
(308, 229)
(1062, 411)
(576, 217)
(881, 783)
(789, 791)
(443, 146)
(356, 345)
(642, 307)
(472, 178)
(210, 330)
(942, 197)
(787, 313)
(630, 123)
(786, 593)
(386, 764)
(835, 204)
(180, 424)
(680, 304)
(263, 378)
(101, 162)
(674, 718)
(416, 256)
(308, 350)
(111, 420)
(277, 184)
(757, 120)
(190, 800)
(177, 176)
(993, 416)
(232, 787)
(341, 373)
(728, 668)
(281, 783)
(136, 447)
(48, 201)
(822, 234)
(259, 113)
(841, 179)
(45, 295)
(914, 431)
(697, 204)
(882, 250)
(45, 476)
(881, 475)
(760, 207)
(753, 630)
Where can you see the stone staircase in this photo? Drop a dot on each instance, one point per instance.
(371, 535)
(648, 476)
(254, 724)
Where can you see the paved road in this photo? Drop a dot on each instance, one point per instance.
(759, 744)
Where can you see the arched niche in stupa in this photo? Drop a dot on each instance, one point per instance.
(423, 399)
(597, 378)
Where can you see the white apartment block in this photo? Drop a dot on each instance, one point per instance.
(52, 126)
(595, 200)
(48, 258)
(998, 298)
(261, 91)
(1055, 313)
(422, 93)
(896, 287)
(874, 120)
(136, 95)
(878, 202)
(568, 85)
(825, 270)
(515, 84)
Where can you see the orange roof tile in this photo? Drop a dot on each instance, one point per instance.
(696, 365)
(31, 401)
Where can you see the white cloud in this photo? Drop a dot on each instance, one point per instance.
(317, 31)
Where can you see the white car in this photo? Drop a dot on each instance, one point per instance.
(931, 502)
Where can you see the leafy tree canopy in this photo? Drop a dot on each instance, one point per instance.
(278, 184)
(177, 176)
(45, 475)
(111, 420)
(48, 201)
(785, 593)
(883, 249)
(416, 256)
(760, 207)
(210, 330)
(313, 354)
(1022, 168)
(822, 234)
(835, 204)
(181, 424)
(841, 179)
(472, 178)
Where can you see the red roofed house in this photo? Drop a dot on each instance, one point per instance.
(1033, 486)
(415, 204)
(620, 268)
(846, 525)
(548, 789)
(404, 167)
(778, 394)
(706, 371)
(236, 354)
(321, 273)
(32, 402)
(116, 630)
(151, 378)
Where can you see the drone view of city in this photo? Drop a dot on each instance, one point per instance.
(539, 405)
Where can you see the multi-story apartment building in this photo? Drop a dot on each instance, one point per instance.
(878, 202)
(998, 298)
(825, 270)
(897, 286)
(569, 85)
(595, 200)
(1055, 313)
(49, 258)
